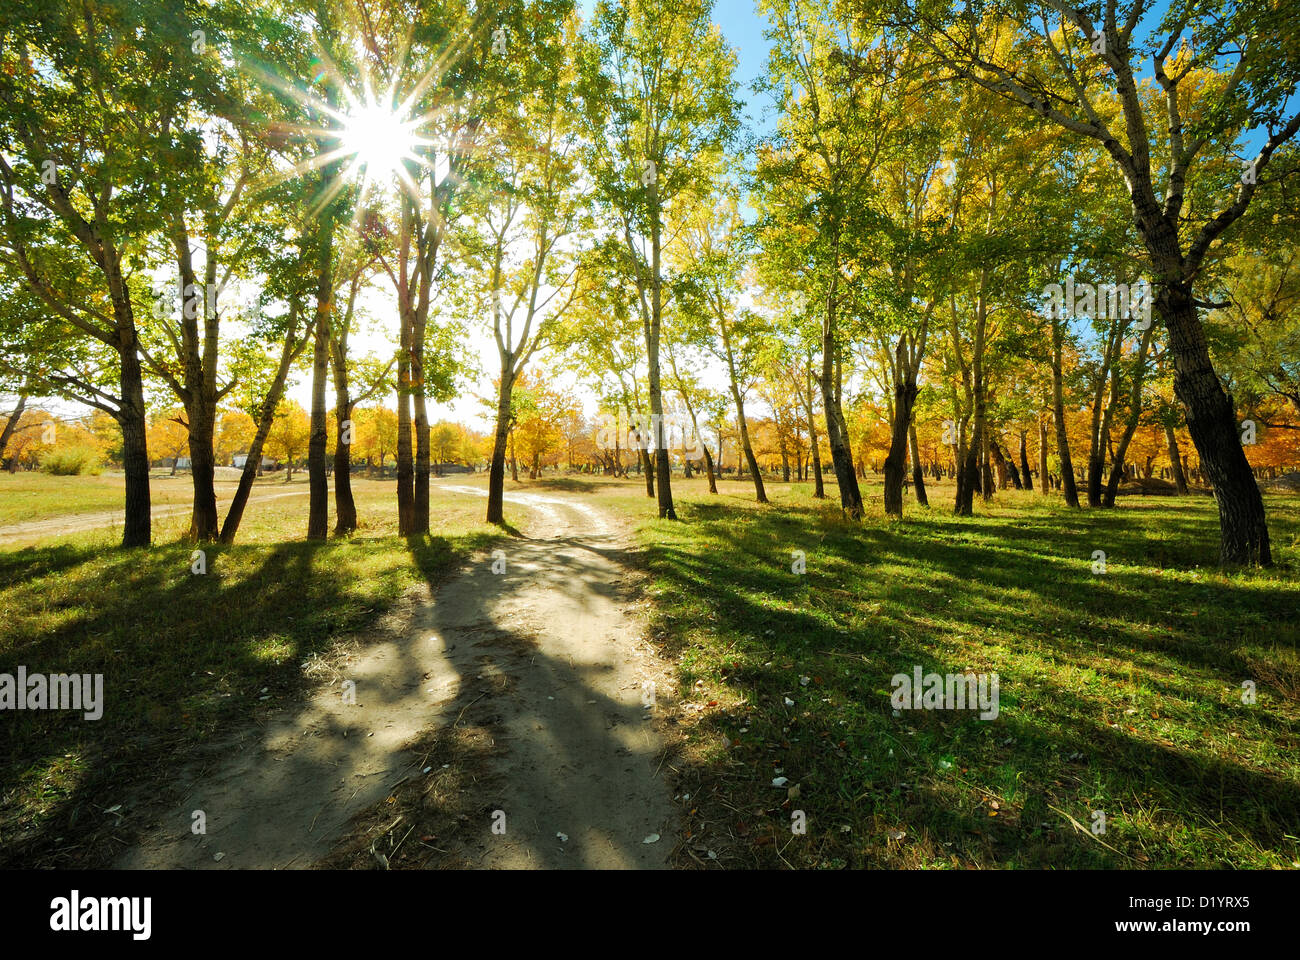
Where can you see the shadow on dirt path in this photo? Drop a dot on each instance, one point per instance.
(576, 764)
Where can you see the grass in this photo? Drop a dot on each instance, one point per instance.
(1119, 692)
(28, 495)
(184, 657)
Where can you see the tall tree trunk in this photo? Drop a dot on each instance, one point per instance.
(819, 489)
(198, 379)
(979, 475)
(1175, 460)
(345, 505)
(497, 468)
(646, 467)
(837, 432)
(420, 522)
(12, 423)
(136, 526)
(1042, 455)
(405, 458)
(896, 461)
(918, 471)
(266, 416)
(1131, 422)
(318, 442)
(653, 322)
(1101, 413)
(759, 493)
(968, 477)
(986, 469)
(204, 520)
(1068, 488)
(1212, 423)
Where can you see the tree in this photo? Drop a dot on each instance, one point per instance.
(215, 146)
(813, 180)
(659, 104)
(1081, 75)
(376, 434)
(234, 433)
(529, 206)
(79, 138)
(697, 400)
(713, 255)
(447, 102)
(289, 436)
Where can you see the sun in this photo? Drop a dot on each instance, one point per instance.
(381, 138)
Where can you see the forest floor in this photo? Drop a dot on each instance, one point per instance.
(491, 715)
(1149, 706)
(517, 700)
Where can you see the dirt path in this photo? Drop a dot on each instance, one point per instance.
(577, 775)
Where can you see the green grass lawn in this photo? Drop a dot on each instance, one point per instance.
(27, 496)
(1120, 692)
(185, 658)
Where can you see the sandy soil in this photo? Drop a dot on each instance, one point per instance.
(578, 773)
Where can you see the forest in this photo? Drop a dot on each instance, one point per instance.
(862, 343)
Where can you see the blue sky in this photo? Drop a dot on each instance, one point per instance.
(743, 26)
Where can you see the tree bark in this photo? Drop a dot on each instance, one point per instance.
(497, 468)
(896, 462)
(136, 526)
(405, 461)
(197, 387)
(968, 480)
(653, 322)
(1068, 488)
(1131, 422)
(420, 521)
(819, 489)
(12, 423)
(918, 471)
(1175, 460)
(646, 467)
(759, 493)
(318, 442)
(708, 466)
(345, 506)
(1042, 455)
(1243, 528)
(266, 416)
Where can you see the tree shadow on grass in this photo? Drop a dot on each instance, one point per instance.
(184, 658)
(988, 595)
